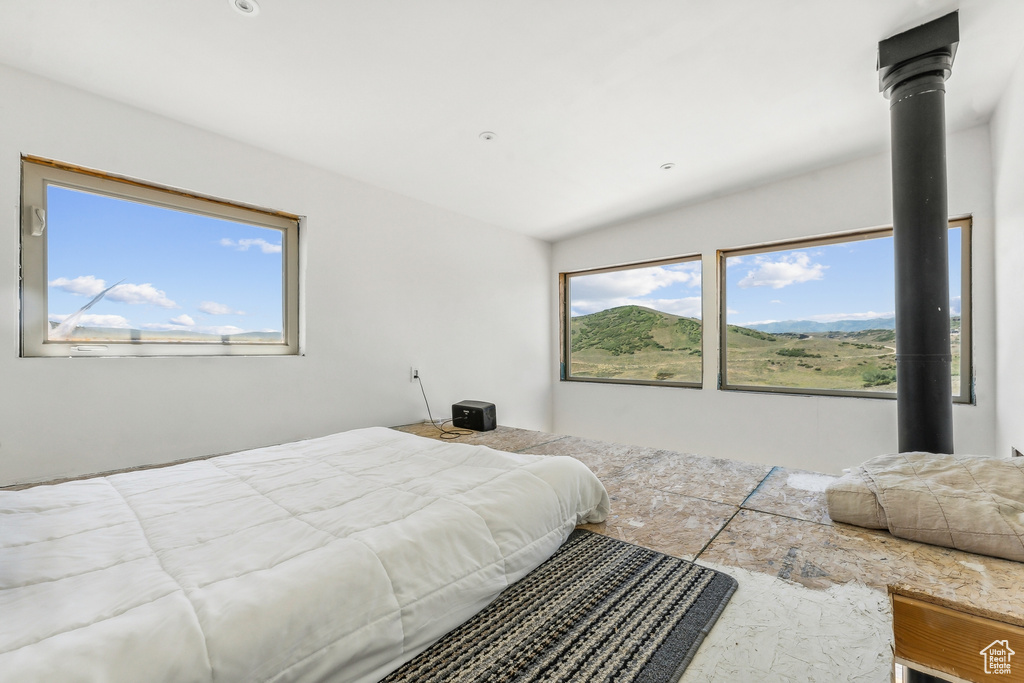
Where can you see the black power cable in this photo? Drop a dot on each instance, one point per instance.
(447, 434)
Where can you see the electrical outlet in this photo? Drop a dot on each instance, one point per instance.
(414, 374)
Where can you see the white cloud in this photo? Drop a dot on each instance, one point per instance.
(220, 329)
(244, 244)
(183, 319)
(686, 306)
(954, 305)
(141, 294)
(775, 301)
(587, 306)
(96, 320)
(84, 285)
(213, 308)
(635, 282)
(786, 270)
(127, 293)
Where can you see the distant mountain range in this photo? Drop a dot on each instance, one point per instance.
(805, 326)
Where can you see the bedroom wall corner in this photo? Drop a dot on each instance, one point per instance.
(1008, 168)
(388, 282)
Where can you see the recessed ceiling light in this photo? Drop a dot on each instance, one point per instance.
(667, 167)
(249, 8)
(487, 135)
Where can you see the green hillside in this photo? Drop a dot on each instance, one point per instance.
(632, 342)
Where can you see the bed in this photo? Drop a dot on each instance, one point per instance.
(337, 558)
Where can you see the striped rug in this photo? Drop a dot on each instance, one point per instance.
(598, 610)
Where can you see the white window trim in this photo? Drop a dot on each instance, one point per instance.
(37, 173)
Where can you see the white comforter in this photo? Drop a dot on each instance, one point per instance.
(335, 558)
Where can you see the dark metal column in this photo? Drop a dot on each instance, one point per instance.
(912, 69)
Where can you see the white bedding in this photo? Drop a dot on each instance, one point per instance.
(336, 558)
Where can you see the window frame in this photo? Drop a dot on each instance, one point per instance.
(38, 173)
(966, 395)
(565, 324)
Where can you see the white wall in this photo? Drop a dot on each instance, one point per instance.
(388, 282)
(1008, 163)
(824, 434)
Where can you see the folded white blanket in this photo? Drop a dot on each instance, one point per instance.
(971, 503)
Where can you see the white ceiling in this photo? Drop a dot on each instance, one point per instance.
(588, 98)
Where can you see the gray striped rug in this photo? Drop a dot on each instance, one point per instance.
(598, 610)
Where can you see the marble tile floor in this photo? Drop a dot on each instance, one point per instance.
(767, 520)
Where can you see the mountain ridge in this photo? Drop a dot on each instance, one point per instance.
(804, 326)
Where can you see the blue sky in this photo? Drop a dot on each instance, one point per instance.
(847, 281)
(180, 271)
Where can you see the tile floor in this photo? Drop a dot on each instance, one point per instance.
(768, 520)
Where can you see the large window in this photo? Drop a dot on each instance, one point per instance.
(637, 324)
(818, 316)
(113, 267)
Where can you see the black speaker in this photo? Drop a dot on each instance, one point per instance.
(475, 415)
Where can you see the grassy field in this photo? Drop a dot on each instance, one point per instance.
(637, 343)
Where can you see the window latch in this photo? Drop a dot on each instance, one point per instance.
(37, 220)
